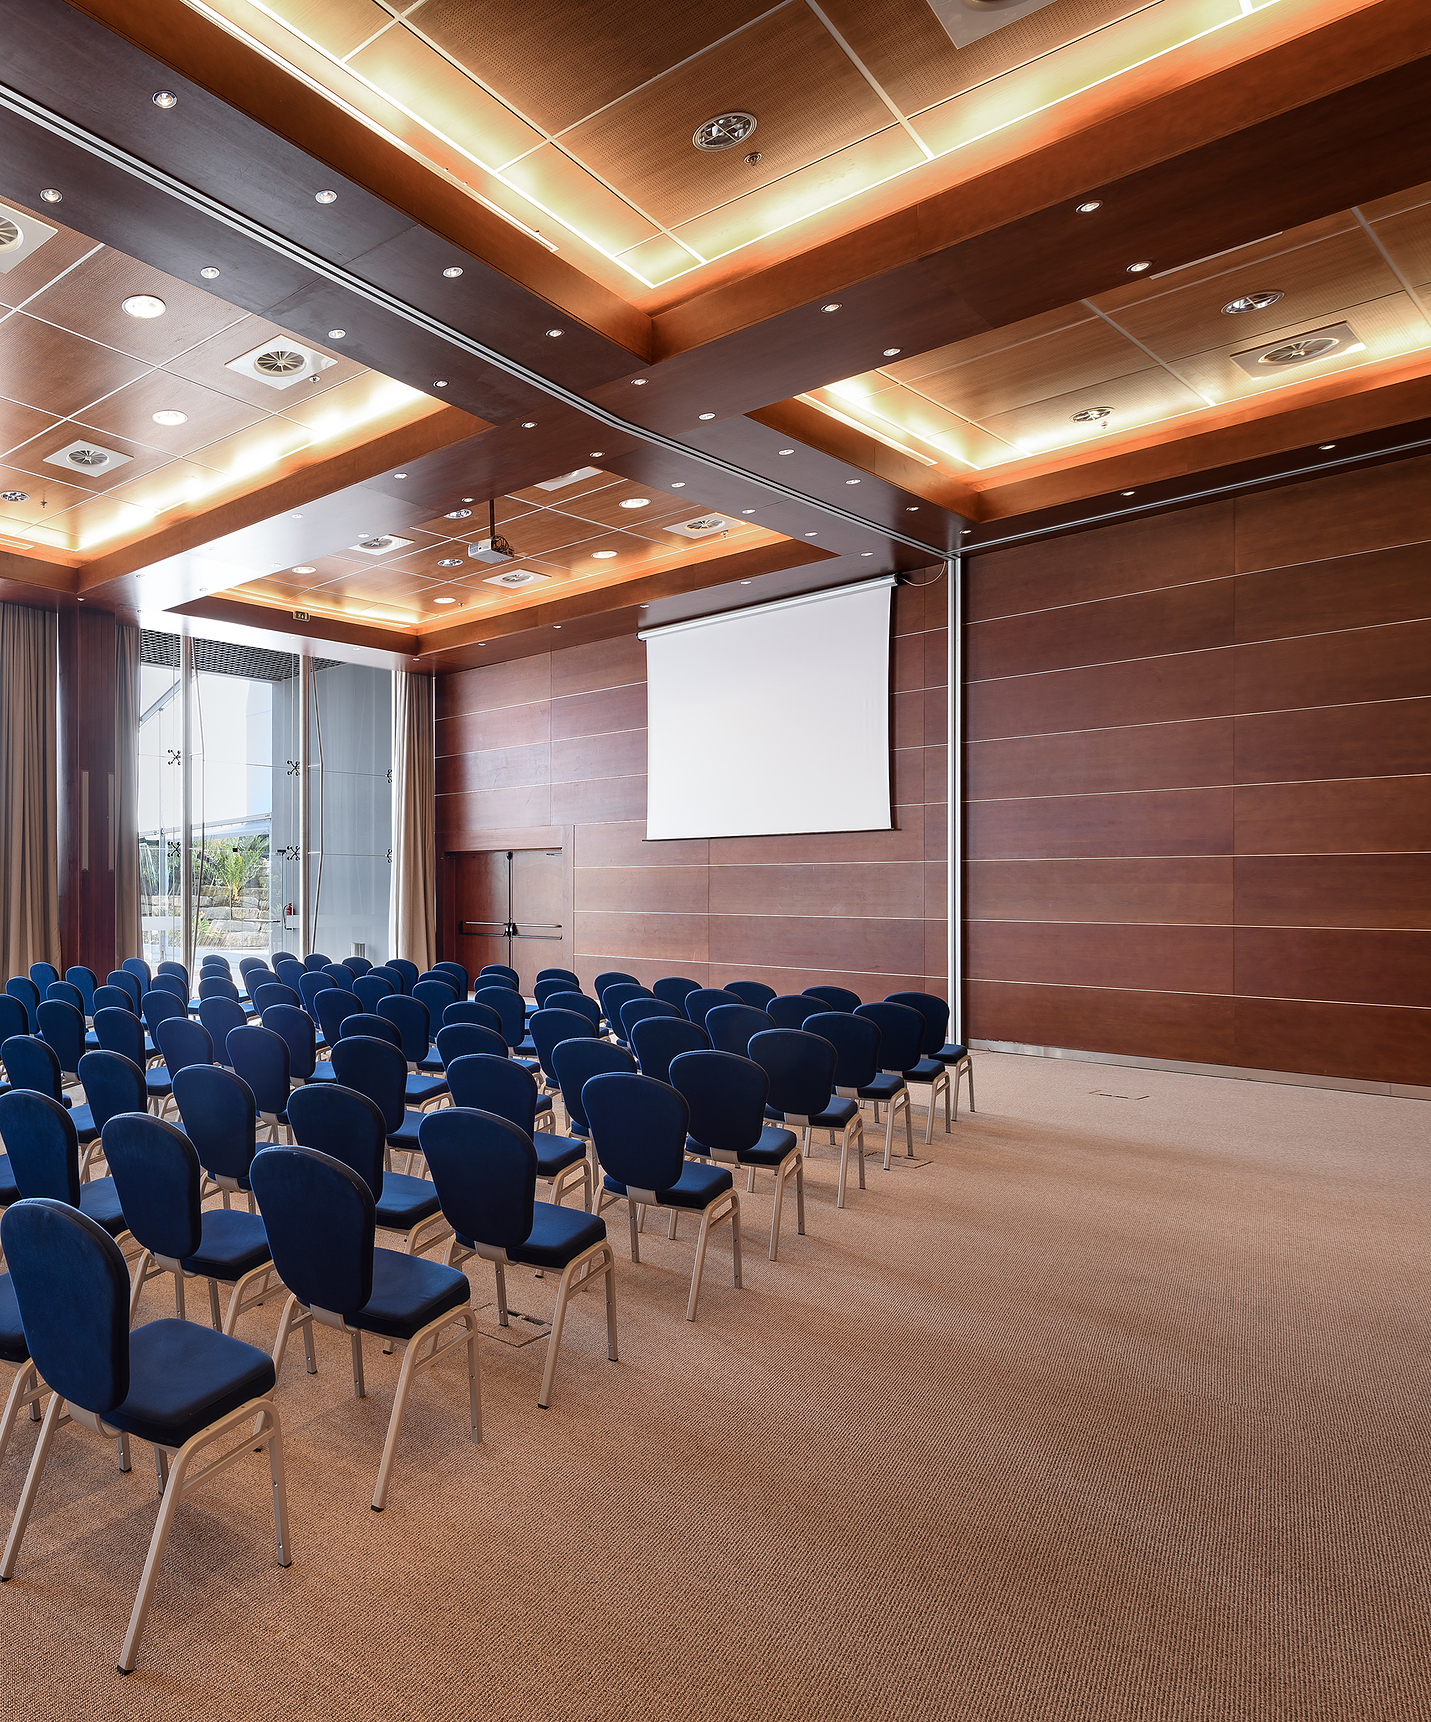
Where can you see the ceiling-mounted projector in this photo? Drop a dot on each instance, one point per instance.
(492, 548)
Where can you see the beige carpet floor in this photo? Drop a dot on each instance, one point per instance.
(1115, 1408)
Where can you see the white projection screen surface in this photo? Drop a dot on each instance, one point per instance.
(771, 720)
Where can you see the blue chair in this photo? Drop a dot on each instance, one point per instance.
(513, 1014)
(347, 1125)
(130, 984)
(86, 980)
(357, 965)
(500, 969)
(901, 1034)
(674, 990)
(170, 985)
(639, 1009)
(170, 967)
(487, 978)
(639, 1127)
(26, 1389)
(726, 1093)
(245, 963)
(217, 987)
(22, 988)
(612, 977)
(550, 987)
(656, 1040)
(157, 1173)
(485, 1169)
(315, 962)
(954, 1057)
(33, 1067)
(386, 972)
(159, 1003)
(460, 1039)
(260, 1058)
(580, 1004)
(408, 971)
(221, 1120)
(43, 975)
(320, 1218)
(790, 1010)
(801, 1068)
(112, 1084)
(468, 1010)
(62, 1030)
(113, 998)
(137, 967)
(549, 1028)
(44, 1153)
(704, 999)
(856, 1040)
(169, 1382)
(460, 983)
(311, 986)
(484, 1083)
(182, 1042)
(371, 987)
(754, 993)
(331, 1006)
(411, 1019)
(296, 1028)
(436, 995)
(275, 993)
(285, 960)
(731, 1026)
(338, 976)
(67, 993)
(123, 1033)
(379, 1070)
(221, 1017)
(613, 998)
(14, 1018)
(835, 998)
(572, 980)
(360, 1022)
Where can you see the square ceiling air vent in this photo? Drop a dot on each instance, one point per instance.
(703, 526)
(280, 363)
(1273, 357)
(562, 479)
(20, 234)
(87, 457)
(514, 577)
(380, 544)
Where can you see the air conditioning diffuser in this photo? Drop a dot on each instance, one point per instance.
(280, 362)
(87, 456)
(703, 526)
(20, 234)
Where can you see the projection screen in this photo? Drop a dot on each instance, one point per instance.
(773, 719)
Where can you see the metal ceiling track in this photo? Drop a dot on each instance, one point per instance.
(67, 131)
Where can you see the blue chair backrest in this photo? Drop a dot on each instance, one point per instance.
(578, 1002)
(62, 1027)
(39, 1136)
(275, 993)
(410, 1017)
(469, 1010)
(436, 995)
(14, 1018)
(730, 1026)
(386, 972)
(21, 987)
(791, 1009)
(221, 1017)
(577, 1061)
(616, 995)
(158, 1004)
(213, 964)
(371, 987)
(375, 1068)
(338, 976)
(702, 1000)
(362, 1022)
(137, 967)
(726, 1096)
(183, 1042)
(130, 984)
(260, 1058)
(550, 987)
(30, 1064)
(86, 980)
(112, 1084)
(357, 965)
(612, 977)
(638, 1009)
(288, 969)
(856, 1043)
(549, 1027)
(901, 1034)
(800, 1068)
(674, 989)
(170, 986)
(330, 1007)
(493, 978)
(217, 987)
(639, 1128)
(835, 998)
(344, 1124)
(751, 992)
(659, 1039)
(484, 1169)
(296, 1028)
(485, 1083)
(170, 967)
(157, 1179)
(574, 981)
(460, 981)
(509, 1008)
(245, 963)
(501, 969)
(407, 970)
(935, 1013)
(43, 975)
(461, 1039)
(122, 1032)
(112, 998)
(315, 962)
(220, 1119)
(69, 993)
(72, 1288)
(319, 1217)
(310, 986)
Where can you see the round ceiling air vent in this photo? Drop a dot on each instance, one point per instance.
(375, 543)
(14, 496)
(1250, 302)
(725, 131)
(11, 236)
(1092, 415)
(280, 362)
(92, 459)
(1294, 352)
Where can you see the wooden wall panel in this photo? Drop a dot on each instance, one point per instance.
(1218, 852)
(599, 713)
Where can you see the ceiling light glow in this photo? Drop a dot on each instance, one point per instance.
(209, 274)
(164, 99)
(444, 600)
(554, 333)
(1138, 268)
(529, 424)
(704, 416)
(50, 195)
(893, 352)
(602, 555)
(636, 502)
(305, 568)
(1088, 205)
(143, 305)
(337, 334)
(171, 417)
(638, 382)
(439, 382)
(834, 305)
(452, 273)
(325, 197)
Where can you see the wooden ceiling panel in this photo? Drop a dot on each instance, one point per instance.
(1136, 399)
(98, 521)
(914, 421)
(1407, 238)
(56, 371)
(541, 531)
(89, 301)
(50, 259)
(44, 499)
(604, 506)
(1411, 198)
(643, 143)
(169, 486)
(141, 460)
(129, 412)
(337, 26)
(557, 62)
(906, 49)
(361, 397)
(1022, 40)
(18, 424)
(1077, 356)
(251, 450)
(916, 365)
(207, 363)
(554, 181)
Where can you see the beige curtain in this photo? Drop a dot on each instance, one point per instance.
(128, 933)
(412, 910)
(29, 743)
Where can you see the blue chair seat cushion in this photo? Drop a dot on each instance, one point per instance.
(91, 1040)
(531, 1067)
(158, 1081)
(9, 1189)
(884, 1087)
(951, 1052)
(12, 1333)
(558, 1236)
(83, 1120)
(322, 1072)
(544, 1103)
(408, 1292)
(771, 1149)
(556, 1153)
(405, 1200)
(421, 1089)
(231, 1245)
(836, 1115)
(100, 1200)
(925, 1071)
(697, 1187)
(432, 1065)
(527, 1045)
(405, 1136)
(182, 1377)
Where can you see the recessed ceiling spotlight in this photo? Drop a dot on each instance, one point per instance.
(444, 600)
(812, 534)
(724, 131)
(143, 305)
(170, 417)
(439, 382)
(893, 352)
(1250, 302)
(452, 273)
(529, 424)
(1127, 493)
(638, 382)
(680, 484)
(458, 514)
(325, 197)
(295, 517)
(209, 274)
(1088, 205)
(469, 498)
(866, 552)
(164, 99)
(14, 496)
(449, 562)
(51, 196)
(399, 475)
(556, 626)
(912, 508)
(747, 511)
(1091, 415)
(636, 502)
(337, 334)
(834, 305)
(603, 555)
(787, 451)
(704, 416)
(554, 333)
(852, 481)
(1138, 268)
(596, 454)
(1325, 445)
(745, 582)
(305, 568)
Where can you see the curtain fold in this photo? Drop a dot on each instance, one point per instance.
(128, 929)
(29, 788)
(412, 911)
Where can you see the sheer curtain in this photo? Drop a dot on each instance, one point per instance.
(128, 930)
(29, 743)
(412, 913)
